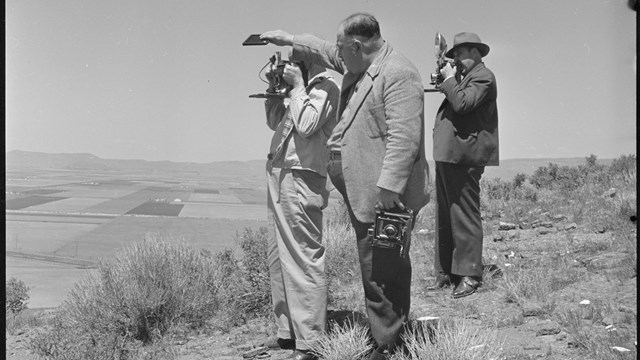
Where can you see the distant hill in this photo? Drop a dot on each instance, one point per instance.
(17, 160)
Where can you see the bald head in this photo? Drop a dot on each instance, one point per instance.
(361, 25)
(359, 41)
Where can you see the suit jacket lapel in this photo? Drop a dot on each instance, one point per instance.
(348, 82)
(366, 84)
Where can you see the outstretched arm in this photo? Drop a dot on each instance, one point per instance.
(278, 37)
(308, 48)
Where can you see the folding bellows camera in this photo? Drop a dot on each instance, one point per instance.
(392, 230)
(278, 87)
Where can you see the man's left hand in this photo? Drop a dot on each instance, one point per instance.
(448, 71)
(388, 200)
(278, 37)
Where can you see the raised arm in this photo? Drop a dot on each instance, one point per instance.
(311, 111)
(308, 48)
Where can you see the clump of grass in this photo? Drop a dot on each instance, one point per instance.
(349, 341)
(538, 283)
(450, 340)
(342, 267)
(590, 337)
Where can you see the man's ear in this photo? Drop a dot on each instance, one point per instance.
(358, 45)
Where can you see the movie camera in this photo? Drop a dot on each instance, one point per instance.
(442, 61)
(392, 230)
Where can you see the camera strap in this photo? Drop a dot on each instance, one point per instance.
(286, 132)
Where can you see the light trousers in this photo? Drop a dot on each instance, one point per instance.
(296, 254)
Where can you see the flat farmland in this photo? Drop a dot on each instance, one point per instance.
(224, 211)
(216, 198)
(68, 205)
(48, 282)
(45, 234)
(210, 234)
(69, 216)
(93, 192)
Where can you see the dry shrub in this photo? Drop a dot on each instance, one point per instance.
(450, 340)
(149, 288)
(16, 296)
(247, 289)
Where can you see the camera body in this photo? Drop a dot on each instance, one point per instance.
(392, 230)
(437, 78)
(277, 86)
(440, 51)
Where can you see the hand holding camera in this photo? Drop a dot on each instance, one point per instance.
(282, 76)
(448, 70)
(388, 200)
(292, 74)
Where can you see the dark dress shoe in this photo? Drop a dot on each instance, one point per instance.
(302, 355)
(465, 287)
(279, 343)
(442, 280)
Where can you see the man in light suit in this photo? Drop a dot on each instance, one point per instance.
(376, 155)
(465, 140)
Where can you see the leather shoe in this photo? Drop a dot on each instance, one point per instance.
(465, 287)
(442, 280)
(279, 343)
(302, 355)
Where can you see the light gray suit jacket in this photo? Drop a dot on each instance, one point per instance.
(383, 144)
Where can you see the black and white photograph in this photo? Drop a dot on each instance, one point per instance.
(357, 179)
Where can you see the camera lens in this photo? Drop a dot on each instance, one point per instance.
(390, 230)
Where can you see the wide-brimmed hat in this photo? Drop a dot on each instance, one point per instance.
(468, 39)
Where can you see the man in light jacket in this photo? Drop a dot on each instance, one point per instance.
(376, 155)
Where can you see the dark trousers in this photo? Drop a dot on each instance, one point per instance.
(386, 276)
(458, 246)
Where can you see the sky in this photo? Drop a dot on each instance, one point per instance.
(169, 79)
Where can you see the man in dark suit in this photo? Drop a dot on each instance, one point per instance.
(465, 140)
(377, 154)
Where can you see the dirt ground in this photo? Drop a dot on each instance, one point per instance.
(527, 333)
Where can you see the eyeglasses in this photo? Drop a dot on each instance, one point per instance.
(341, 46)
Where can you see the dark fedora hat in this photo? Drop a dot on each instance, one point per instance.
(468, 39)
